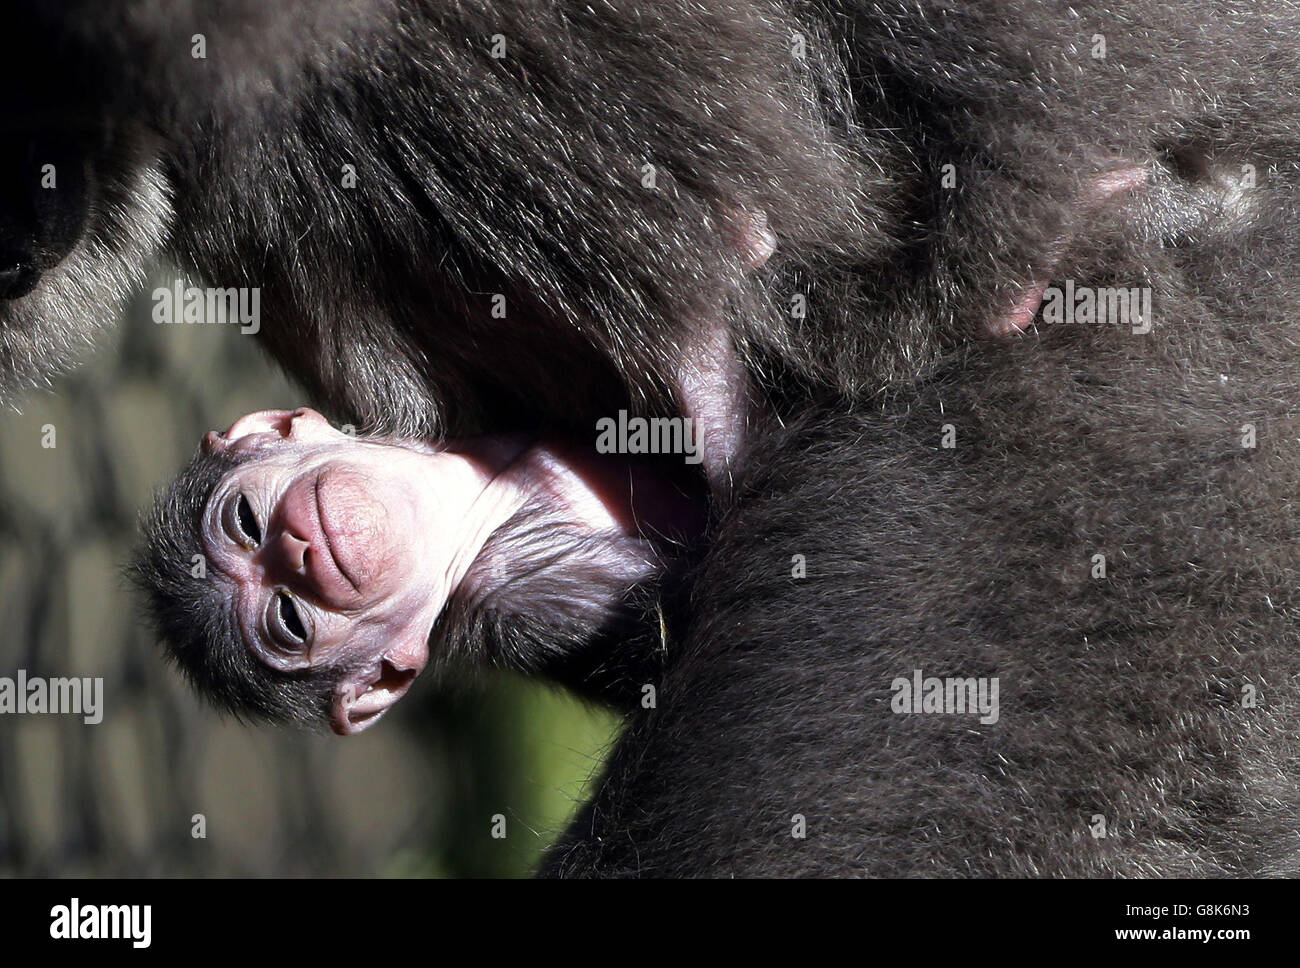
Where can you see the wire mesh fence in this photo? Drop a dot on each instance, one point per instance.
(163, 786)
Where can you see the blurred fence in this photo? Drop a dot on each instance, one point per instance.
(415, 795)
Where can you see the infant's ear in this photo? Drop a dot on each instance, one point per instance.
(262, 422)
(365, 694)
(361, 698)
(302, 425)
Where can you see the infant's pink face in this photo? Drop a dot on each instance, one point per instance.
(337, 550)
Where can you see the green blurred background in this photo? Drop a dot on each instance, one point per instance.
(415, 796)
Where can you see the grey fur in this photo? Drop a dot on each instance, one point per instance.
(522, 177)
(1124, 698)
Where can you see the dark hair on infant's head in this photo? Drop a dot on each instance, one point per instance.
(189, 605)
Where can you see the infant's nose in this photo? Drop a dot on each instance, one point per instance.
(290, 552)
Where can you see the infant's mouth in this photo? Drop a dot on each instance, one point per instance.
(327, 533)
